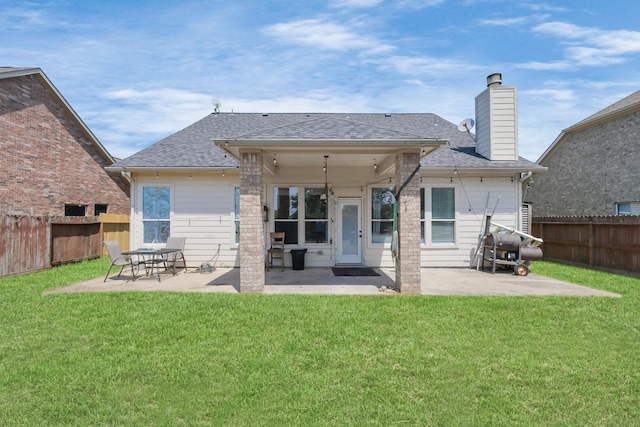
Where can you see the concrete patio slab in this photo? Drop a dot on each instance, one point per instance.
(435, 281)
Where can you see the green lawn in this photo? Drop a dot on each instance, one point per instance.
(193, 359)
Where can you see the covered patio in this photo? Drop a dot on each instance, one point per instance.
(396, 156)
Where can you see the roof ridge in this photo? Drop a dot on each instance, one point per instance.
(343, 117)
(629, 102)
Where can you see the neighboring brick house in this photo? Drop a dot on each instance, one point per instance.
(593, 166)
(51, 163)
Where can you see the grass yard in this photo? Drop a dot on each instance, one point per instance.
(193, 359)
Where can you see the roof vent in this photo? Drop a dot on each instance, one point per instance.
(494, 79)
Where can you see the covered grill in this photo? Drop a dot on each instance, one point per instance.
(509, 247)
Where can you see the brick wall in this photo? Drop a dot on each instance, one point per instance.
(408, 262)
(252, 250)
(47, 160)
(590, 171)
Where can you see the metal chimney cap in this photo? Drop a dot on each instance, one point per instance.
(494, 79)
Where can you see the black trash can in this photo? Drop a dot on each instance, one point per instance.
(297, 258)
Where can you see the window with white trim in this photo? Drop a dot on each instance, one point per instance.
(438, 215)
(316, 216)
(382, 201)
(156, 214)
(303, 220)
(285, 213)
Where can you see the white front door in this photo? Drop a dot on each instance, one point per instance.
(349, 232)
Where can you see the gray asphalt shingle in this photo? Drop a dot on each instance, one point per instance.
(192, 147)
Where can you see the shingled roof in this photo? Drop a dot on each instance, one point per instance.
(192, 147)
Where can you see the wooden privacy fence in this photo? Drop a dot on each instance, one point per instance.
(114, 227)
(31, 243)
(74, 239)
(25, 243)
(609, 243)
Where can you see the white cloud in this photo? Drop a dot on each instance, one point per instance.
(129, 120)
(506, 22)
(355, 3)
(550, 95)
(22, 18)
(545, 7)
(593, 46)
(417, 4)
(163, 110)
(325, 35)
(312, 102)
(544, 66)
(429, 66)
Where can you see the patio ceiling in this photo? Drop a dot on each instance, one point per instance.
(350, 153)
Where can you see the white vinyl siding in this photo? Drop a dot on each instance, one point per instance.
(477, 198)
(202, 211)
(497, 123)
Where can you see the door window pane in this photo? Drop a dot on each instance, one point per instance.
(350, 240)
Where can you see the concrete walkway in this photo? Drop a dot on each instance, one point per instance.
(435, 281)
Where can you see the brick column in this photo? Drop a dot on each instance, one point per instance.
(252, 276)
(408, 262)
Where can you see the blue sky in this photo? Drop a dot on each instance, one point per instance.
(138, 71)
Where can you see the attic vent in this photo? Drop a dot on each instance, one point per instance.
(387, 115)
(265, 114)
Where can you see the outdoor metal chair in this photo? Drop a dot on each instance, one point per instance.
(276, 251)
(119, 260)
(172, 258)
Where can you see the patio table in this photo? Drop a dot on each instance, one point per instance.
(152, 257)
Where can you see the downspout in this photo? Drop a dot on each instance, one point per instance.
(523, 194)
(132, 210)
(525, 177)
(404, 184)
